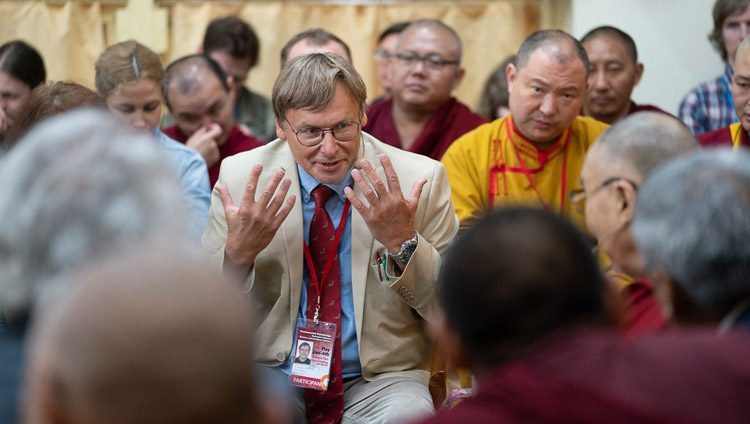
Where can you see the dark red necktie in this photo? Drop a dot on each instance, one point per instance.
(328, 406)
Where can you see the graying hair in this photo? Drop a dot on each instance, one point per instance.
(740, 48)
(309, 81)
(645, 140)
(692, 221)
(77, 186)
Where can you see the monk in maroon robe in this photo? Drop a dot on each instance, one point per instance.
(422, 116)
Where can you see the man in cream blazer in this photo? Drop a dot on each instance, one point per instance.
(399, 200)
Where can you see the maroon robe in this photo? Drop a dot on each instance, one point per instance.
(722, 138)
(450, 122)
(593, 376)
(643, 312)
(236, 143)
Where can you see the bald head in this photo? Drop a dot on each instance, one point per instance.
(645, 140)
(453, 47)
(152, 338)
(561, 45)
(188, 74)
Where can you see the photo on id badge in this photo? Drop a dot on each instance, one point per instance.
(312, 362)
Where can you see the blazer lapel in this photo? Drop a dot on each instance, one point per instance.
(362, 249)
(291, 234)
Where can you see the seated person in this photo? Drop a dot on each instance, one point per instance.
(613, 169)
(422, 116)
(709, 106)
(615, 71)
(233, 44)
(130, 77)
(384, 53)
(736, 134)
(199, 97)
(314, 41)
(77, 186)
(534, 155)
(526, 309)
(149, 337)
(21, 70)
(691, 225)
(327, 240)
(494, 101)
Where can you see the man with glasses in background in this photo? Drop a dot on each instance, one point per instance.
(622, 158)
(360, 250)
(422, 116)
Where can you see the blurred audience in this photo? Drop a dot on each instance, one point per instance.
(76, 187)
(150, 337)
(494, 101)
(615, 71)
(200, 97)
(21, 70)
(384, 53)
(130, 77)
(538, 337)
(709, 106)
(314, 41)
(692, 225)
(422, 116)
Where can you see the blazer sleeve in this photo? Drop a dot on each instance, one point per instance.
(436, 224)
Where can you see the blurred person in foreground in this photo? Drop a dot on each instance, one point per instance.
(539, 338)
(76, 187)
(147, 337)
(692, 226)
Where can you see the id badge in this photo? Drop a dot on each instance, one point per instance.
(312, 360)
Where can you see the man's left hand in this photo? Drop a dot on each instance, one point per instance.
(389, 217)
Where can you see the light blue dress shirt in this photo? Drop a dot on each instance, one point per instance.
(350, 365)
(193, 173)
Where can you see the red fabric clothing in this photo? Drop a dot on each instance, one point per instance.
(593, 376)
(236, 143)
(450, 122)
(642, 310)
(722, 137)
(634, 107)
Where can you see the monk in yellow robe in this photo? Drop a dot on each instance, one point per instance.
(534, 155)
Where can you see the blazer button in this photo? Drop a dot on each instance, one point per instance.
(280, 356)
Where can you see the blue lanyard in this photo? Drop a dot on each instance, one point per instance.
(735, 119)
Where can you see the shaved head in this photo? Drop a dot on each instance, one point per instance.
(561, 45)
(456, 49)
(645, 140)
(151, 338)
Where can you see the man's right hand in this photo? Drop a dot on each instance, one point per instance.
(204, 141)
(252, 225)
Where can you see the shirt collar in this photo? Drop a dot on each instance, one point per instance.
(308, 184)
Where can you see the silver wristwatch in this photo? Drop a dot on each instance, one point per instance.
(407, 249)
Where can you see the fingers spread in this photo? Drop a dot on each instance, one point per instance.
(394, 187)
(248, 198)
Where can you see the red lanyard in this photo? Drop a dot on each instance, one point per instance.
(333, 252)
(542, 157)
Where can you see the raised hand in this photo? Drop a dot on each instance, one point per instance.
(252, 225)
(389, 216)
(204, 141)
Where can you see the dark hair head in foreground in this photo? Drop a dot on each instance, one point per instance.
(515, 277)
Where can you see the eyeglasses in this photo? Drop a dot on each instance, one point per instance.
(578, 196)
(312, 136)
(431, 63)
(382, 54)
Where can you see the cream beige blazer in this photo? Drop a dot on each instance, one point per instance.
(390, 315)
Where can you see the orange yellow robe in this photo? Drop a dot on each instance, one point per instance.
(495, 165)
